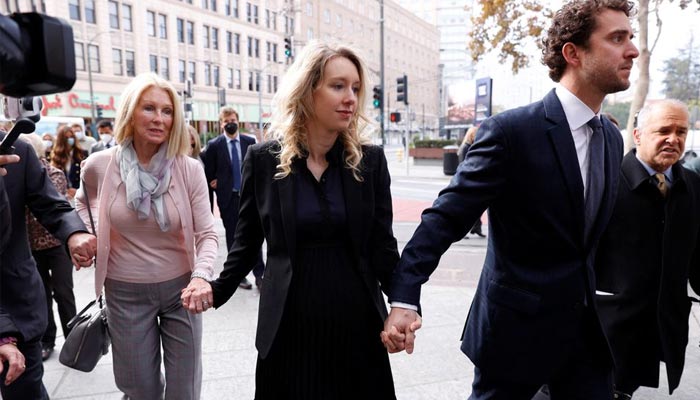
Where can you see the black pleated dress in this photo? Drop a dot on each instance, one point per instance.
(327, 346)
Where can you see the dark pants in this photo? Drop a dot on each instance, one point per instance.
(56, 272)
(229, 216)
(29, 385)
(580, 377)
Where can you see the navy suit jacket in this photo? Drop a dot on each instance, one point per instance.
(538, 269)
(22, 300)
(217, 165)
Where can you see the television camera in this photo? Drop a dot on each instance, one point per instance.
(37, 57)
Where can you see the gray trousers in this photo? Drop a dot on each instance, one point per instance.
(142, 317)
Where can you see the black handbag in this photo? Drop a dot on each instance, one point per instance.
(88, 339)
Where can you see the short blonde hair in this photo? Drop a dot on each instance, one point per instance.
(294, 106)
(178, 141)
(37, 144)
(226, 111)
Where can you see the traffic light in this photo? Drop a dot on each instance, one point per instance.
(288, 47)
(99, 112)
(395, 117)
(402, 89)
(378, 96)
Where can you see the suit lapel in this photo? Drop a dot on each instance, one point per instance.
(565, 151)
(287, 198)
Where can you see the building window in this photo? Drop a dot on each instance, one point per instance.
(130, 63)
(207, 74)
(162, 26)
(180, 23)
(338, 20)
(257, 81)
(216, 76)
(229, 78)
(309, 9)
(269, 83)
(191, 72)
(229, 42)
(268, 53)
(74, 9)
(237, 79)
(153, 61)
(289, 25)
(257, 48)
(268, 22)
(250, 46)
(227, 7)
(165, 67)
(274, 84)
(255, 15)
(79, 57)
(117, 62)
(94, 57)
(151, 23)
(250, 81)
(90, 11)
(234, 8)
(215, 38)
(113, 7)
(237, 43)
(274, 52)
(205, 37)
(309, 33)
(327, 16)
(190, 32)
(126, 17)
(181, 75)
(274, 20)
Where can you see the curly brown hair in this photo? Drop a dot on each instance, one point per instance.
(574, 23)
(62, 152)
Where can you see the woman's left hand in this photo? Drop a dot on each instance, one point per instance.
(197, 297)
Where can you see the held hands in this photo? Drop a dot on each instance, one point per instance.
(197, 297)
(15, 359)
(83, 248)
(400, 330)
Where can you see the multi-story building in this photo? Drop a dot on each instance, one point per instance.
(234, 48)
(410, 48)
(229, 48)
(453, 20)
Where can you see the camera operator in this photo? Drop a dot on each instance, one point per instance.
(23, 315)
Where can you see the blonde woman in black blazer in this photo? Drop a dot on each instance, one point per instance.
(320, 197)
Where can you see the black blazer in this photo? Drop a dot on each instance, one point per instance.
(268, 211)
(217, 165)
(22, 299)
(645, 258)
(538, 269)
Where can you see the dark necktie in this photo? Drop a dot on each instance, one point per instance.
(596, 175)
(235, 166)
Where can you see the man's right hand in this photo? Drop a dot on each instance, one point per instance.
(10, 353)
(213, 184)
(400, 330)
(7, 159)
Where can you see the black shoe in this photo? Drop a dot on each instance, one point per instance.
(245, 284)
(479, 234)
(258, 282)
(46, 352)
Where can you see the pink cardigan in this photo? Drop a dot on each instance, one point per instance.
(188, 188)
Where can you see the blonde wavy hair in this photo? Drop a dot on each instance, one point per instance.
(294, 107)
(178, 140)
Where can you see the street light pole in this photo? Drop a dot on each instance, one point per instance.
(92, 96)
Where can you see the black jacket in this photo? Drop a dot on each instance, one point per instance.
(22, 300)
(646, 256)
(268, 211)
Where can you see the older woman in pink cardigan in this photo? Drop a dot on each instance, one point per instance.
(155, 234)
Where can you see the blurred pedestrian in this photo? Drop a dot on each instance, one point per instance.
(106, 131)
(86, 141)
(319, 194)
(155, 234)
(649, 251)
(195, 146)
(53, 262)
(68, 155)
(48, 140)
(546, 172)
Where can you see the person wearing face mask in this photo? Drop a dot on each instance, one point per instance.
(86, 141)
(47, 138)
(67, 155)
(104, 128)
(222, 164)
